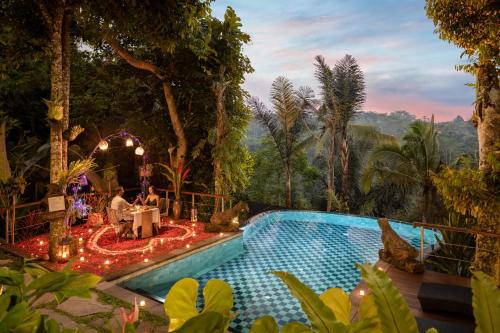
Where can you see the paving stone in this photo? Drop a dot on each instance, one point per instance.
(66, 322)
(161, 329)
(145, 327)
(79, 307)
(112, 323)
(44, 299)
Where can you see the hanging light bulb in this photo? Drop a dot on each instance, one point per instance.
(129, 142)
(103, 145)
(139, 151)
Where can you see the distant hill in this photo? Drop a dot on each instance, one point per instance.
(455, 137)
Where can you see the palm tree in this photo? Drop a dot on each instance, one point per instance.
(329, 119)
(285, 123)
(408, 166)
(348, 97)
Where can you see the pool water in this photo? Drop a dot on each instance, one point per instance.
(320, 249)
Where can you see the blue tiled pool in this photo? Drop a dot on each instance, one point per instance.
(320, 249)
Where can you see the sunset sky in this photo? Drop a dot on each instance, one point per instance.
(406, 66)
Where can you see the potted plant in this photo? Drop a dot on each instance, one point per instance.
(60, 223)
(176, 173)
(97, 203)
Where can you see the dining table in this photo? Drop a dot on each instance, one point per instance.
(144, 217)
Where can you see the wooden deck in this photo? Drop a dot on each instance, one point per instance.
(408, 285)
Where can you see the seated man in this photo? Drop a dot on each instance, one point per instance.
(119, 205)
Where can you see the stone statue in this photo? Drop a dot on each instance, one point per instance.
(397, 251)
(228, 219)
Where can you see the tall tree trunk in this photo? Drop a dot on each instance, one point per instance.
(56, 92)
(344, 158)
(66, 70)
(5, 171)
(288, 184)
(487, 120)
(219, 91)
(176, 122)
(167, 92)
(331, 172)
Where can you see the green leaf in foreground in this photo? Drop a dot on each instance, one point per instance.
(320, 315)
(265, 324)
(393, 311)
(486, 303)
(180, 303)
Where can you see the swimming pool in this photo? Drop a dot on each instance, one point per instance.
(320, 249)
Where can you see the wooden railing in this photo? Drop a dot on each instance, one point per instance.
(11, 213)
(470, 231)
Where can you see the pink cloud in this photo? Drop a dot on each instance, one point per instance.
(379, 102)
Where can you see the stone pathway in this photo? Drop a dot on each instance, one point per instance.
(99, 314)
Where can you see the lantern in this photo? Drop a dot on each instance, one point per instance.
(103, 145)
(194, 214)
(129, 142)
(139, 151)
(63, 252)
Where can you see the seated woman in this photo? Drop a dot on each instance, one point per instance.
(152, 199)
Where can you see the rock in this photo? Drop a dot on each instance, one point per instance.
(223, 221)
(397, 251)
(78, 306)
(226, 217)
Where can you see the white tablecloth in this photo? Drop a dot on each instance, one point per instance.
(138, 217)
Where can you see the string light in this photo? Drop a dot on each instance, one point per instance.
(139, 151)
(103, 145)
(361, 292)
(129, 142)
(106, 262)
(221, 234)
(82, 258)
(41, 243)
(188, 246)
(146, 260)
(142, 303)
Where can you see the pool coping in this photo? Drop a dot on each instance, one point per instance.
(170, 257)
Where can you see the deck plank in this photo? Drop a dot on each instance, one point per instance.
(408, 285)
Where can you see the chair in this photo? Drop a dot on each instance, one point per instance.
(164, 207)
(113, 220)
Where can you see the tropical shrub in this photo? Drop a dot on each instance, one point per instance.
(456, 250)
(382, 310)
(17, 296)
(180, 307)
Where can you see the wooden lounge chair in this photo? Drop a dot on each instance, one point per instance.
(437, 297)
(443, 326)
